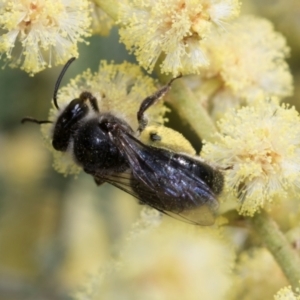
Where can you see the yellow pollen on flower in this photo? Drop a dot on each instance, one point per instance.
(34, 15)
(249, 62)
(43, 29)
(259, 148)
(174, 29)
(286, 293)
(146, 268)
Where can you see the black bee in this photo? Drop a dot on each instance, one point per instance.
(110, 150)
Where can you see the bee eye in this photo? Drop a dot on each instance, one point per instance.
(76, 110)
(67, 122)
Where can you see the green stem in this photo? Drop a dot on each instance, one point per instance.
(110, 7)
(278, 245)
(189, 107)
(191, 111)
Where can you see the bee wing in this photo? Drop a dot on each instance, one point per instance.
(165, 183)
(203, 215)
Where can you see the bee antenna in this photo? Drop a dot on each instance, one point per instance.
(32, 120)
(59, 79)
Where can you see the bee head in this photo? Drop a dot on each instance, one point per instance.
(67, 123)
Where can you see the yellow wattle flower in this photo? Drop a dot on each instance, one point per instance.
(175, 29)
(258, 148)
(39, 33)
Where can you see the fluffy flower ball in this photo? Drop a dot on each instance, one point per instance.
(37, 33)
(174, 28)
(173, 261)
(259, 150)
(249, 59)
(287, 293)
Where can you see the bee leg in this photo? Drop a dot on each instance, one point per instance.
(87, 95)
(149, 101)
(99, 181)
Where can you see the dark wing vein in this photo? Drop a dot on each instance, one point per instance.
(123, 182)
(157, 169)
